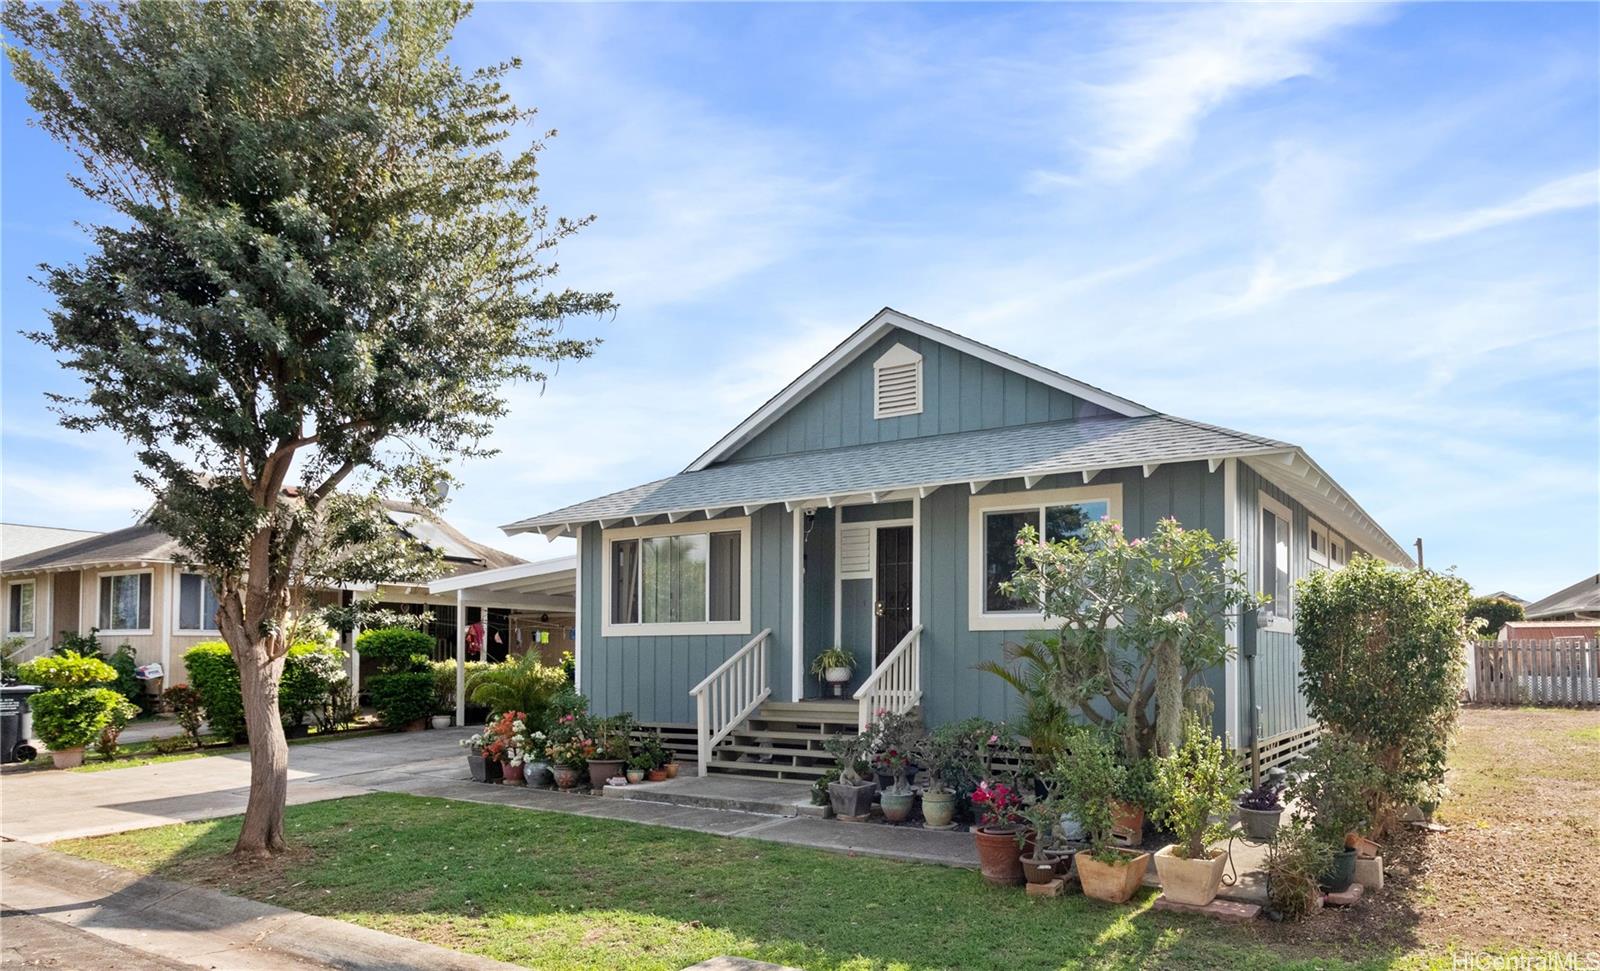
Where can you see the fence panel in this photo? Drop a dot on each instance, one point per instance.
(1559, 673)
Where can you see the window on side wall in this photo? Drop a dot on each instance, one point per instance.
(197, 603)
(19, 608)
(125, 603)
(679, 579)
(995, 523)
(1276, 549)
(1317, 548)
(1338, 551)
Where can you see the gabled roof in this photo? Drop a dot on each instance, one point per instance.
(859, 342)
(17, 539)
(1582, 597)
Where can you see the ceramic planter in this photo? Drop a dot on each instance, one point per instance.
(851, 802)
(68, 758)
(1127, 823)
(938, 810)
(1039, 869)
(1112, 882)
(602, 769)
(658, 774)
(483, 770)
(441, 721)
(536, 773)
(1190, 881)
(510, 774)
(897, 806)
(1340, 873)
(566, 776)
(635, 776)
(1260, 825)
(999, 856)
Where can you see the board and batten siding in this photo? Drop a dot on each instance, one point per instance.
(961, 393)
(650, 676)
(952, 688)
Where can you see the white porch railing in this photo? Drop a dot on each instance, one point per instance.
(730, 694)
(896, 684)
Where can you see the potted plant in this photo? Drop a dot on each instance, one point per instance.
(1086, 782)
(851, 796)
(1261, 810)
(484, 769)
(1296, 860)
(535, 767)
(897, 737)
(638, 765)
(74, 707)
(950, 754)
(611, 750)
(653, 751)
(568, 750)
(1042, 864)
(1196, 781)
(441, 719)
(1330, 792)
(1133, 794)
(834, 667)
(999, 810)
(670, 766)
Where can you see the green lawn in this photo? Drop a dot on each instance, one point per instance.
(556, 891)
(136, 754)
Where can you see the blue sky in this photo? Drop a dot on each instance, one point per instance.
(1368, 230)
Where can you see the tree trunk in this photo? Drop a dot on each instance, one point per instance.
(1169, 697)
(260, 667)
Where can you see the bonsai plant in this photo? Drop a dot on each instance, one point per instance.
(1042, 864)
(834, 667)
(1331, 789)
(1086, 781)
(897, 737)
(1195, 782)
(950, 755)
(1261, 810)
(851, 796)
(1296, 860)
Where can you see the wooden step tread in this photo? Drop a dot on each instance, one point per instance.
(781, 734)
(769, 750)
(768, 768)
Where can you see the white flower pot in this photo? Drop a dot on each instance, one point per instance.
(836, 675)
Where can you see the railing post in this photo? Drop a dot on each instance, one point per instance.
(702, 732)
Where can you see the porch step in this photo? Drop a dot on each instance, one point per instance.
(767, 796)
(783, 771)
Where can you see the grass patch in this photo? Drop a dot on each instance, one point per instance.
(555, 891)
(135, 754)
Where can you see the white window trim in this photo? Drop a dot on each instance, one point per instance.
(980, 506)
(731, 525)
(1265, 502)
(1344, 544)
(177, 606)
(33, 621)
(125, 573)
(1315, 527)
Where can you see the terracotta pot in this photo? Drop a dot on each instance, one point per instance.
(1111, 882)
(897, 806)
(510, 774)
(938, 810)
(1260, 825)
(566, 776)
(68, 758)
(1190, 881)
(999, 856)
(672, 770)
(1127, 823)
(658, 774)
(1039, 869)
(1365, 849)
(634, 776)
(602, 769)
(851, 802)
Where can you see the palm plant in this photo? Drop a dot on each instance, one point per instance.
(524, 685)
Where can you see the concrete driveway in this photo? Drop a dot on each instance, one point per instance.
(42, 806)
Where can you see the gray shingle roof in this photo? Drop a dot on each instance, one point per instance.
(1580, 598)
(138, 542)
(1026, 450)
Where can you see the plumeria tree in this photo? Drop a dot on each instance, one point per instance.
(1135, 623)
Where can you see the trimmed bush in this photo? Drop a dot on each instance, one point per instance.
(67, 670)
(401, 697)
(310, 671)
(126, 662)
(106, 744)
(213, 674)
(396, 648)
(68, 718)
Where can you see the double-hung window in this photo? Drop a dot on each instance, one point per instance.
(19, 608)
(1273, 569)
(683, 578)
(197, 603)
(125, 603)
(993, 526)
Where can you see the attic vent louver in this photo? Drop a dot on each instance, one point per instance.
(897, 383)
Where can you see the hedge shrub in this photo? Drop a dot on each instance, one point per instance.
(67, 670)
(310, 671)
(68, 718)
(401, 697)
(213, 674)
(395, 649)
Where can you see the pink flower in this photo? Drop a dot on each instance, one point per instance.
(994, 739)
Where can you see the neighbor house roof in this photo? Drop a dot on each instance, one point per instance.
(1580, 599)
(18, 539)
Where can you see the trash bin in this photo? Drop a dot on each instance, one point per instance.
(16, 728)
(151, 677)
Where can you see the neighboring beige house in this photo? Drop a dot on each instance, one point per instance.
(130, 585)
(18, 538)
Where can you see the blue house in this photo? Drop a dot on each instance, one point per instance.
(874, 503)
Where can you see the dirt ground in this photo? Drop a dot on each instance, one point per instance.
(1518, 869)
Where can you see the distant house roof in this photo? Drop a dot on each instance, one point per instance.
(1581, 601)
(18, 539)
(1505, 595)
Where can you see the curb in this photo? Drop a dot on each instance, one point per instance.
(121, 899)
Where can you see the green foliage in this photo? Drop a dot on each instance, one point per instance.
(1495, 613)
(1198, 779)
(1086, 780)
(444, 682)
(71, 642)
(1296, 859)
(833, 657)
(569, 667)
(1331, 788)
(954, 754)
(215, 677)
(189, 709)
(1116, 603)
(66, 670)
(126, 662)
(395, 649)
(401, 697)
(10, 650)
(72, 717)
(310, 671)
(1383, 663)
(120, 716)
(524, 685)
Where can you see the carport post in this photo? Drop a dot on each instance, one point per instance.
(461, 658)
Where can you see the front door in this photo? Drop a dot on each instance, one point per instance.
(893, 590)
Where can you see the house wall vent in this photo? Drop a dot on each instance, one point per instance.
(897, 383)
(855, 551)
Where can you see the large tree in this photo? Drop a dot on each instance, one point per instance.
(326, 262)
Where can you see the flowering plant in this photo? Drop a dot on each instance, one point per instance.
(475, 742)
(998, 805)
(569, 742)
(503, 739)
